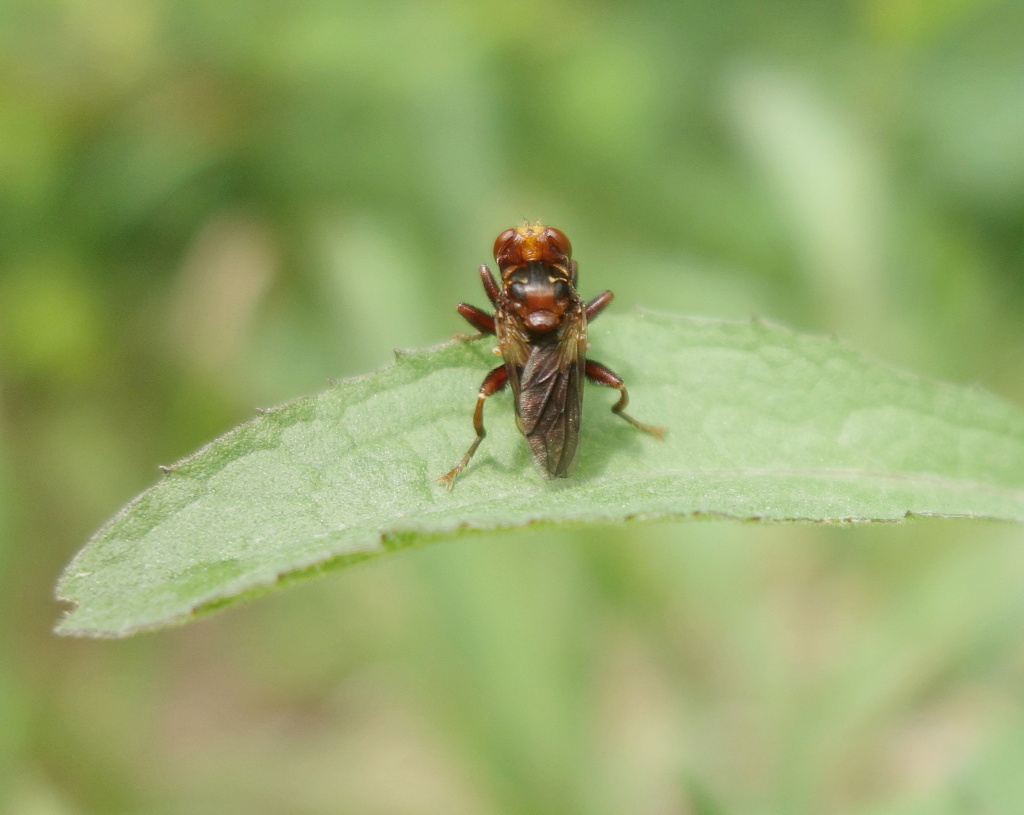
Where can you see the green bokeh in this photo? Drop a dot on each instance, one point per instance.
(209, 206)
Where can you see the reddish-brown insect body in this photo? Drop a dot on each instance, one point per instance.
(541, 325)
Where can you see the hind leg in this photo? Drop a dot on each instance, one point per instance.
(600, 375)
(493, 382)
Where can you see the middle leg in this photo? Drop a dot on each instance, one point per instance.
(478, 318)
(595, 306)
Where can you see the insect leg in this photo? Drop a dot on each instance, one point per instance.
(477, 318)
(493, 382)
(493, 292)
(595, 306)
(600, 375)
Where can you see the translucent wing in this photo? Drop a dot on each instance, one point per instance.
(548, 392)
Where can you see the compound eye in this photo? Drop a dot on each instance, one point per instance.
(558, 240)
(501, 240)
(517, 291)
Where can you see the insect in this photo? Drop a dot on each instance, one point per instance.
(541, 325)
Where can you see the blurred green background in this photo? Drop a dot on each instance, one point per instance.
(208, 206)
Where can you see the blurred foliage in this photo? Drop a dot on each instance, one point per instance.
(207, 206)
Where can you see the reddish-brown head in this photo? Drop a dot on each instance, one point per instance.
(535, 274)
(532, 243)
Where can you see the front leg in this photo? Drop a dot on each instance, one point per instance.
(600, 375)
(493, 292)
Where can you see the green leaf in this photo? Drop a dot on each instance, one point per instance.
(764, 424)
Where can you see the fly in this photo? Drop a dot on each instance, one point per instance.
(541, 326)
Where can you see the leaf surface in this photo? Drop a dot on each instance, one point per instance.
(764, 424)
